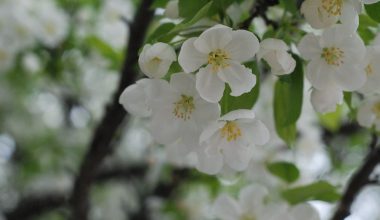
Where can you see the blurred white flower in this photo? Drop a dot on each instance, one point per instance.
(369, 113)
(222, 50)
(31, 63)
(335, 58)
(326, 100)
(274, 52)
(372, 69)
(252, 204)
(230, 140)
(171, 9)
(155, 60)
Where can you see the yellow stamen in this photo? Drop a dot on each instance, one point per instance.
(184, 107)
(333, 55)
(231, 131)
(369, 70)
(333, 7)
(218, 59)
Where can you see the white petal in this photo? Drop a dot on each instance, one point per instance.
(210, 130)
(189, 57)
(318, 72)
(273, 44)
(287, 62)
(209, 85)
(213, 38)
(304, 211)
(316, 16)
(210, 164)
(309, 47)
(239, 78)
(205, 112)
(236, 156)
(326, 100)
(238, 114)
(163, 51)
(350, 77)
(350, 17)
(226, 208)
(255, 132)
(155, 60)
(184, 83)
(243, 45)
(134, 101)
(365, 116)
(252, 197)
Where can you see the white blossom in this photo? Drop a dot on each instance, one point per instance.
(335, 58)
(274, 52)
(230, 140)
(178, 112)
(171, 9)
(369, 113)
(324, 13)
(222, 50)
(372, 69)
(252, 204)
(137, 98)
(155, 60)
(326, 100)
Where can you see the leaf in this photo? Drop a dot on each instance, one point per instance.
(373, 11)
(284, 170)
(365, 26)
(247, 100)
(331, 121)
(287, 103)
(160, 33)
(159, 4)
(289, 5)
(105, 50)
(187, 9)
(321, 190)
(190, 21)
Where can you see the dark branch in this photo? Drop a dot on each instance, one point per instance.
(34, 205)
(358, 181)
(259, 9)
(100, 146)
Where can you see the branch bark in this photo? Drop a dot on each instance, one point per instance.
(34, 205)
(100, 145)
(358, 181)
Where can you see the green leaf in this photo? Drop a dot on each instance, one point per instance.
(321, 190)
(331, 121)
(187, 9)
(284, 170)
(289, 5)
(201, 13)
(105, 50)
(366, 24)
(287, 103)
(247, 100)
(373, 11)
(160, 3)
(160, 33)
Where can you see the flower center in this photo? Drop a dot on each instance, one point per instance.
(333, 7)
(247, 217)
(218, 59)
(231, 131)
(369, 70)
(376, 109)
(333, 55)
(184, 107)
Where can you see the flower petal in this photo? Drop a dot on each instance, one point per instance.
(184, 83)
(238, 114)
(226, 208)
(309, 47)
(209, 85)
(214, 38)
(304, 211)
(350, 77)
(236, 156)
(326, 100)
(254, 132)
(210, 164)
(318, 72)
(239, 78)
(243, 45)
(365, 116)
(189, 57)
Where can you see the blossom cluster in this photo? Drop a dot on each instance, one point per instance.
(338, 59)
(185, 112)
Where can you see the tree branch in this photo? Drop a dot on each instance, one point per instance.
(34, 205)
(100, 146)
(259, 8)
(358, 181)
